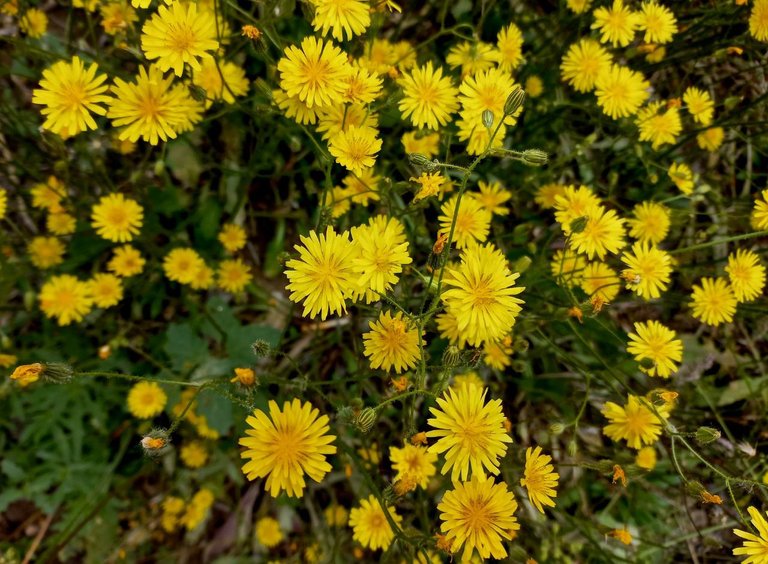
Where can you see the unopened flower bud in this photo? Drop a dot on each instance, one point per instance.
(365, 419)
(156, 443)
(518, 365)
(522, 264)
(694, 488)
(521, 345)
(57, 373)
(451, 356)
(573, 448)
(514, 102)
(706, 435)
(487, 118)
(159, 167)
(557, 428)
(260, 348)
(579, 224)
(605, 466)
(535, 157)
(197, 92)
(389, 494)
(417, 159)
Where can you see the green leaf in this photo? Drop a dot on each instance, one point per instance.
(239, 342)
(183, 162)
(185, 348)
(217, 410)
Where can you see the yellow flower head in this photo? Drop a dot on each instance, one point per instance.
(540, 478)
(117, 17)
(285, 445)
(657, 344)
(650, 223)
(758, 27)
(244, 376)
(713, 301)
(355, 148)
(179, 35)
(336, 515)
(323, 275)
(478, 516)
(106, 290)
(126, 262)
(583, 63)
(546, 195)
(634, 423)
(183, 265)
(232, 237)
(568, 268)
(70, 93)
(646, 458)
(470, 432)
(755, 546)
(233, 275)
(472, 57)
(498, 354)
(431, 184)
(66, 299)
(573, 204)
(33, 23)
(659, 124)
(682, 176)
(473, 221)
(482, 295)
(333, 120)
(602, 233)
(60, 223)
(600, 282)
(117, 218)
(426, 144)
(362, 86)
(294, 108)
(146, 400)
(197, 509)
(429, 98)
(746, 274)
(221, 80)
(342, 18)
(620, 91)
(316, 73)
(648, 270)
(658, 22)
(193, 454)
(381, 252)
(760, 211)
(268, 532)
(711, 139)
(392, 343)
(621, 535)
(509, 43)
(370, 526)
(414, 461)
(699, 104)
(45, 252)
(616, 24)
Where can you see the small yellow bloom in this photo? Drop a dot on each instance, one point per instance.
(27, 373)
(621, 535)
(619, 475)
(244, 376)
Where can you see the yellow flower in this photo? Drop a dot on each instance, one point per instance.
(232, 237)
(45, 252)
(659, 124)
(470, 432)
(620, 91)
(573, 204)
(370, 526)
(482, 295)
(479, 515)
(509, 43)
(340, 117)
(656, 343)
(430, 185)
(473, 221)
(681, 175)
(323, 275)
(343, 18)
(117, 16)
(336, 515)
(146, 400)
(616, 24)
(634, 423)
(65, 298)
(578, 6)
(426, 144)
(699, 104)
(621, 535)
(658, 22)
(70, 93)
(197, 509)
(355, 148)
(568, 268)
(546, 195)
(429, 98)
(233, 275)
(651, 222)
(599, 281)
(711, 139)
(534, 87)
(758, 23)
(251, 32)
(183, 265)
(497, 354)
(221, 80)
(540, 478)
(746, 274)
(583, 63)
(106, 290)
(193, 454)
(172, 508)
(294, 108)
(60, 223)
(244, 376)
(117, 218)
(286, 445)
(646, 458)
(755, 546)
(392, 343)
(126, 262)
(713, 301)
(179, 35)
(268, 532)
(33, 23)
(362, 87)
(760, 211)
(27, 374)
(648, 270)
(414, 461)
(316, 73)
(602, 233)
(472, 57)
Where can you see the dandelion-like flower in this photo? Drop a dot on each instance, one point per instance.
(479, 516)
(583, 63)
(634, 423)
(650, 223)
(699, 105)
(370, 526)
(315, 74)
(413, 461)
(223, 80)
(758, 23)
(65, 298)
(106, 290)
(33, 23)
(711, 139)
(616, 24)
(682, 176)
(648, 270)
(183, 265)
(233, 275)
(342, 18)
(746, 274)
(482, 295)
(620, 91)
(268, 532)
(323, 276)
(473, 221)
(232, 237)
(658, 22)
(70, 92)
(492, 196)
(355, 148)
(117, 218)
(45, 252)
(755, 546)
(429, 98)
(472, 57)
(600, 282)
(470, 432)
(392, 343)
(286, 445)
(659, 124)
(603, 233)
(509, 43)
(540, 478)
(193, 454)
(381, 251)
(654, 342)
(568, 268)
(179, 35)
(572, 204)
(146, 400)
(760, 211)
(713, 301)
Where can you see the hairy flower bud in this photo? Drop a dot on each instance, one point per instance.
(57, 373)
(557, 428)
(156, 443)
(417, 159)
(706, 435)
(260, 348)
(451, 356)
(535, 157)
(487, 118)
(514, 102)
(365, 419)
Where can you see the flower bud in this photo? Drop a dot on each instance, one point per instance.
(159, 167)
(579, 224)
(573, 448)
(451, 356)
(487, 118)
(345, 414)
(57, 373)
(521, 345)
(557, 428)
(535, 157)
(365, 419)
(260, 348)
(605, 466)
(514, 102)
(518, 365)
(156, 443)
(417, 159)
(197, 92)
(706, 435)
(522, 264)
